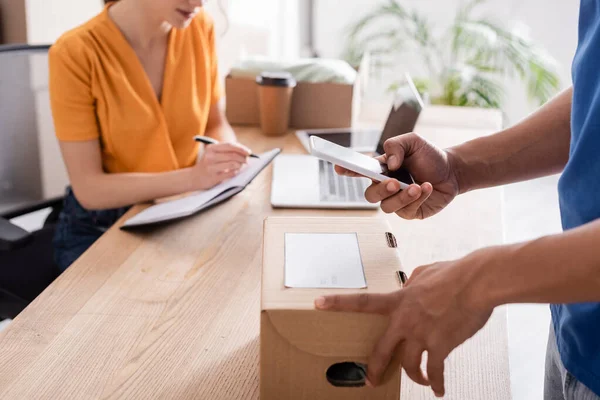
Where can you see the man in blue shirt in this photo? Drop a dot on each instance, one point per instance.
(563, 270)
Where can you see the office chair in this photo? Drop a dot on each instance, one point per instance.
(26, 259)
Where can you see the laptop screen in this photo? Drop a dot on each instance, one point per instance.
(403, 115)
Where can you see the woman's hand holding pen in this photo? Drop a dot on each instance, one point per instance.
(220, 161)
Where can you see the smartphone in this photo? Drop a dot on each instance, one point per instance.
(357, 162)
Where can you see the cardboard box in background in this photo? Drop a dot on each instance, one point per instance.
(298, 344)
(314, 105)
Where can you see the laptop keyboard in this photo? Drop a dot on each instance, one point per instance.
(336, 188)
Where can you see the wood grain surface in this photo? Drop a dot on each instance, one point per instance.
(173, 312)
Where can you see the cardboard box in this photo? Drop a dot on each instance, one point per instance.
(314, 105)
(299, 345)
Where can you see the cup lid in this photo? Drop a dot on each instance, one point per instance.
(281, 79)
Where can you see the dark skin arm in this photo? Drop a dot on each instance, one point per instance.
(537, 146)
(430, 315)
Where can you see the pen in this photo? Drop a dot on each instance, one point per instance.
(208, 140)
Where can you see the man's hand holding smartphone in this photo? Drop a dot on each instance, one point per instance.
(427, 314)
(426, 163)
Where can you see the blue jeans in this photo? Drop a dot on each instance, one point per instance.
(78, 228)
(559, 383)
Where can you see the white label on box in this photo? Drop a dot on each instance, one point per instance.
(323, 260)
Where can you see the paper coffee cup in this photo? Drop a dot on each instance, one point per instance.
(275, 101)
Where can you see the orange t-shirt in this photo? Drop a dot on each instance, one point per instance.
(99, 90)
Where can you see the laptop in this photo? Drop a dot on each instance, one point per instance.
(407, 107)
(302, 181)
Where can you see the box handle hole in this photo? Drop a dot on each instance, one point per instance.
(347, 374)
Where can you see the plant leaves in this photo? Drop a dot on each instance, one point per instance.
(479, 51)
(488, 47)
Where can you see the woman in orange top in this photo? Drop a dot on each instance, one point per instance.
(129, 90)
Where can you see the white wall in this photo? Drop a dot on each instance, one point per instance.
(251, 28)
(278, 19)
(237, 34)
(48, 19)
(553, 24)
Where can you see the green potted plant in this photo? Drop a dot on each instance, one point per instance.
(463, 65)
